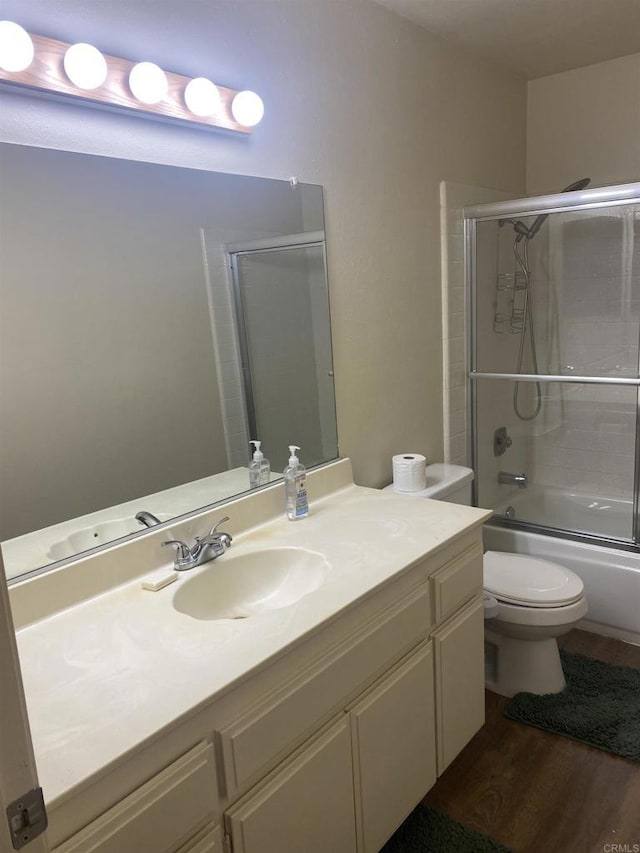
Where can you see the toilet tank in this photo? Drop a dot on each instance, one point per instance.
(451, 483)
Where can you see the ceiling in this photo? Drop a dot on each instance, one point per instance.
(532, 37)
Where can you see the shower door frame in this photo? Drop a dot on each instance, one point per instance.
(289, 242)
(588, 199)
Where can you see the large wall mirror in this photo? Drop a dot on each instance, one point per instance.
(153, 320)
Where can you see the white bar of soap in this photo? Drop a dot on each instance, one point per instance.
(156, 580)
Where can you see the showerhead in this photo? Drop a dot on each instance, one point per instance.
(521, 229)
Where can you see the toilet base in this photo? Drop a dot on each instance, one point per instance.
(514, 665)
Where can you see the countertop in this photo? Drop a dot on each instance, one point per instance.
(104, 675)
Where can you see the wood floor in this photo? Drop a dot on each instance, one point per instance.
(537, 792)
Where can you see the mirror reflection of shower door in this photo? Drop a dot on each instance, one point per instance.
(282, 311)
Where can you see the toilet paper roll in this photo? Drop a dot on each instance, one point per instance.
(409, 472)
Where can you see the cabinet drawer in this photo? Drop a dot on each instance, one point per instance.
(159, 814)
(306, 701)
(456, 582)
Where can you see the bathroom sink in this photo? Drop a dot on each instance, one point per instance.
(238, 586)
(96, 534)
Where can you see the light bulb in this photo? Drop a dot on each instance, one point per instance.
(247, 108)
(202, 97)
(16, 47)
(148, 82)
(85, 66)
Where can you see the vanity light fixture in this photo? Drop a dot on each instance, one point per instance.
(148, 83)
(16, 47)
(85, 66)
(247, 108)
(202, 97)
(81, 72)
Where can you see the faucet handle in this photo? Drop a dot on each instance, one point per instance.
(183, 556)
(225, 539)
(215, 527)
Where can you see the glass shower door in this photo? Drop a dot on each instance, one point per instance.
(555, 367)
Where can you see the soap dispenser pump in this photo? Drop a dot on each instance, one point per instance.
(295, 488)
(259, 469)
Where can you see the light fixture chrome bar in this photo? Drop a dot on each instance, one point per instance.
(578, 200)
(557, 377)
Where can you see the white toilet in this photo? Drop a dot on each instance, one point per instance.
(530, 602)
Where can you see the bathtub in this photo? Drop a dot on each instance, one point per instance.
(611, 576)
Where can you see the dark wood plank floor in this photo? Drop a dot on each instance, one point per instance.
(538, 792)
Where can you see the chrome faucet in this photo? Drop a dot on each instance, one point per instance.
(148, 519)
(204, 549)
(507, 479)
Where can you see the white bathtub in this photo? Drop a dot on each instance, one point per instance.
(584, 513)
(611, 576)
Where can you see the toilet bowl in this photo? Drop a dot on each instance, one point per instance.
(537, 601)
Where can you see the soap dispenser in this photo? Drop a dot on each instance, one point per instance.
(259, 469)
(295, 488)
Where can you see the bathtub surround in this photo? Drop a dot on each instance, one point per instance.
(578, 451)
(601, 706)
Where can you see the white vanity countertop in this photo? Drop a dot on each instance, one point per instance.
(103, 676)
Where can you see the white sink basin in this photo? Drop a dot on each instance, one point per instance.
(238, 586)
(97, 534)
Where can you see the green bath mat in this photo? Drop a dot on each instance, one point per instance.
(600, 706)
(427, 831)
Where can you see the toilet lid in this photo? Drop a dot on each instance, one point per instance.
(530, 581)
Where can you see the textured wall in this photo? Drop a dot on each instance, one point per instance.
(584, 123)
(357, 99)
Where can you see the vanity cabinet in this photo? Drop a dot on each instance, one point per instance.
(393, 744)
(356, 782)
(208, 840)
(458, 642)
(328, 747)
(459, 680)
(146, 818)
(307, 805)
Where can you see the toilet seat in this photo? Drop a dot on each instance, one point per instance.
(530, 582)
(517, 614)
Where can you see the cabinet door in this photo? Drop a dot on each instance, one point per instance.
(305, 806)
(208, 840)
(393, 738)
(459, 679)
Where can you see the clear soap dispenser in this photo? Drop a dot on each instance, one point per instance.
(259, 469)
(295, 488)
